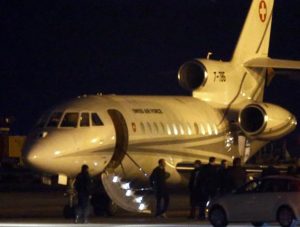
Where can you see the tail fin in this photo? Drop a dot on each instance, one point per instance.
(255, 36)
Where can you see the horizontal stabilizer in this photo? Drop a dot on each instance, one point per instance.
(264, 62)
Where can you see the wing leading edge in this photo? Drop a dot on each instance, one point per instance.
(265, 62)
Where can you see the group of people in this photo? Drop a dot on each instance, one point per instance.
(206, 181)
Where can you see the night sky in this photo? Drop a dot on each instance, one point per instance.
(54, 50)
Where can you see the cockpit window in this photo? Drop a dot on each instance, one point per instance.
(84, 120)
(70, 120)
(54, 119)
(42, 121)
(96, 121)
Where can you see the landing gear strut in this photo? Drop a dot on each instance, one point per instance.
(69, 209)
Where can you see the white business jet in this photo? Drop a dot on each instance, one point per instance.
(123, 137)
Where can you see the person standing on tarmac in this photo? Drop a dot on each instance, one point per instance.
(222, 177)
(208, 185)
(82, 185)
(237, 175)
(158, 179)
(195, 190)
(211, 178)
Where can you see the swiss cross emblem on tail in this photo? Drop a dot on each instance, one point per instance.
(262, 10)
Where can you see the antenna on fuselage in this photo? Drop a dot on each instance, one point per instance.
(208, 55)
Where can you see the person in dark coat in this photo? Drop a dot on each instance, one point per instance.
(158, 179)
(83, 187)
(194, 188)
(210, 181)
(237, 175)
(222, 173)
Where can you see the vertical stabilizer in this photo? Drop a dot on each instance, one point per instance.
(255, 36)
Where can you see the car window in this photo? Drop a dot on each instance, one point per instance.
(54, 119)
(274, 185)
(294, 186)
(70, 120)
(252, 186)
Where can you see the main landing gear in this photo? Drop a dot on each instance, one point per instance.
(69, 209)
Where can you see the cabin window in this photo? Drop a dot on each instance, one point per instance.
(189, 130)
(143, 127)
(70, 120)
(175, 130)
(85, 120)
(156, 127)
(181, 129)
(215, 129)
(209, 129)
(149, 127)
(96, 121)
(54, 119)
(162, 127)
(169, 130)
(196, 128)
(202, 129)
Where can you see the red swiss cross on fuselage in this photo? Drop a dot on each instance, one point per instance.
(262, 10)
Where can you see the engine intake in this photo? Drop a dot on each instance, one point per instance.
(252, 119)
(266, 121)
(192, 75)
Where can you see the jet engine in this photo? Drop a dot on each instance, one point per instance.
(192, 75)
(266, 121)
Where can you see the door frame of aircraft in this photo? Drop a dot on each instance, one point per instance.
(121, 133)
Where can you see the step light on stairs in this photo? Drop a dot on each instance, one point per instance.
(122, 194)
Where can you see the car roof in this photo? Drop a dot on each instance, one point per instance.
(286, 177)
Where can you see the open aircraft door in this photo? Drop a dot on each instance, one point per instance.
(124, 197)
(121, 132)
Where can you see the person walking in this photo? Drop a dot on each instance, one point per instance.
(82, 185)
(195, 190)
(158, 179)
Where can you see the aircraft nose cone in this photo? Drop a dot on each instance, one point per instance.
(33, 155)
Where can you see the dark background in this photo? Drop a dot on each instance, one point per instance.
(55, 50)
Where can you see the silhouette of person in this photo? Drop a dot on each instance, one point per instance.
(83, 187)
(195, 190)
(237, 175)
(222, 173)
(158, 179)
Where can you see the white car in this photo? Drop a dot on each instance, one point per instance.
(269, 199)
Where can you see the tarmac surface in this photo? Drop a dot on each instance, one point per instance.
(42, 206)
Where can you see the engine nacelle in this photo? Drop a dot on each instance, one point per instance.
(266, 121)
(192, 75)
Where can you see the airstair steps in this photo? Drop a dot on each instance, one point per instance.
(123, 195)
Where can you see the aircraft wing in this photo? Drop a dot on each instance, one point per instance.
(272, 63)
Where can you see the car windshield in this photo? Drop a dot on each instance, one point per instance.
(70, 120)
